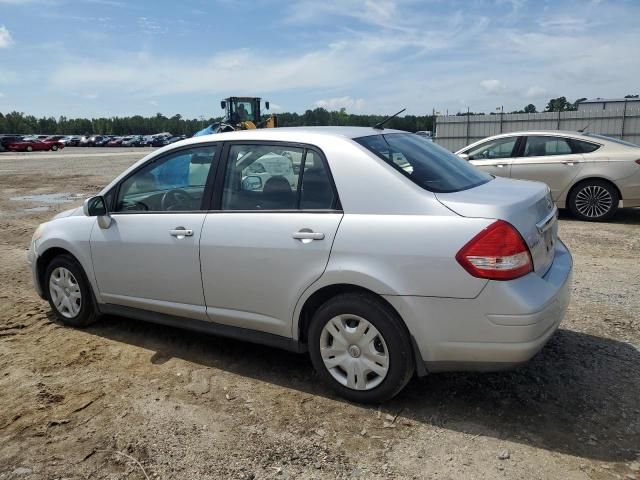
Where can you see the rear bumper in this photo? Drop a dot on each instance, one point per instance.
(505, 325)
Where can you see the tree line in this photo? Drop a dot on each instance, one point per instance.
(20, 123)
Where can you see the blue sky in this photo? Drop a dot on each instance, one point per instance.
(112, 57)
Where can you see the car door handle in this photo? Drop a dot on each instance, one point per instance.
(571, 164)
(306, 234)
(181, 232)
(500, 165)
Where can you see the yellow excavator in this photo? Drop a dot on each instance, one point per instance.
(242, 113)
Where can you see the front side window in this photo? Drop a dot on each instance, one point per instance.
(499, 148)
(546, 146)
(174, 182)
(426, 164)
(275, 177)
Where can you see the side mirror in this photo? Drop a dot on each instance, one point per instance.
(223, 104)
(266, 105)
(97, 207)
(94, 206)
(251, 183)
(464, 156)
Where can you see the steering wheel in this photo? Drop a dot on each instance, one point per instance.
(174, 197)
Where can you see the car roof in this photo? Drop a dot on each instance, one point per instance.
(293, 133)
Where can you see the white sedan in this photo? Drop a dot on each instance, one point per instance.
(590, 174)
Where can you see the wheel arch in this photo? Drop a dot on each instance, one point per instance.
(589, 178)
(325, 293)
(45, 258)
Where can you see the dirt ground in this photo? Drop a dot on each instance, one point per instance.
(93, 403)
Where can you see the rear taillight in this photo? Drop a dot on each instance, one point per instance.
(638, 161)
(497, 253)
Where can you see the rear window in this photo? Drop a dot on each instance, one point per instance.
(424, 163)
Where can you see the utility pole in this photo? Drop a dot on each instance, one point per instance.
(468, 121)
(624, 117)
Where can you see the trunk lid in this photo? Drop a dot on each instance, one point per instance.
(525, 205)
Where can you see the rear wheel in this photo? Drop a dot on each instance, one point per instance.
(360, 348)
(54, 147)
(594, 200)
(29, 148)
(69, 292)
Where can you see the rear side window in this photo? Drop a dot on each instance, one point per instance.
(276, 177)
(424, 163)
(583, 147)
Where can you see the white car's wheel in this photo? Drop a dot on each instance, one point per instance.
(594, 200)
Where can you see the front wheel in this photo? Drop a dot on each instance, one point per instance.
(360, 347)
(54, 147)
(29, 148)
(69, 292)
(594, 200)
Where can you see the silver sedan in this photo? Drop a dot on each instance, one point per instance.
(590, 174)
(380, 254)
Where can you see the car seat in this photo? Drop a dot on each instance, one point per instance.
(277, 194)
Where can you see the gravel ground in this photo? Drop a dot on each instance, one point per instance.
(125, 399)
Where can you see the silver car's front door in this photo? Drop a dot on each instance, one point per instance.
(150, 261)
(494, 156)
(550, 160)
(148, 257)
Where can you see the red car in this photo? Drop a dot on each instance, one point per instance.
(34, 145)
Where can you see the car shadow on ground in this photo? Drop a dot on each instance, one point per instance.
(579, 395)
(624, 216)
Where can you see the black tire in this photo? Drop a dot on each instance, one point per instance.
(594, 201)
(391, 328)
(29, 148)
(87, 313)
(54, 147)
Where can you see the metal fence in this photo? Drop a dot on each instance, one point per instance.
(455, 131)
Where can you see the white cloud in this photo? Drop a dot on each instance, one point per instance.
(224, 72)
(153, 102)
(5, 37)
(566, 24)
(334, 104)
(493, 87)
(535, 91)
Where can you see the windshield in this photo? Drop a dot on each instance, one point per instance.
(611, 139)
(426, 164)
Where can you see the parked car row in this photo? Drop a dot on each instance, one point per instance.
(157, 140)
(29, 143)
(19, 143)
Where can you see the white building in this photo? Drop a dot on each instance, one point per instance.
(609, 104)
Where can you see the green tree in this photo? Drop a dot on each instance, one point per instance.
(560, 104)
(531, 108)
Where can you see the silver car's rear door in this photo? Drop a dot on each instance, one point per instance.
(547, 159)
